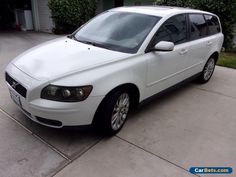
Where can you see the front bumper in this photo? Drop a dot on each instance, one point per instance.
(51, 113)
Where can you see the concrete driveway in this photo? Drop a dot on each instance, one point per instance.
(192, 126)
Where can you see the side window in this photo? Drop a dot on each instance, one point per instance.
(213, 24)
(173, 30)
(198, 26)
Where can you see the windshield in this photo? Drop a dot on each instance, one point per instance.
(119, 31)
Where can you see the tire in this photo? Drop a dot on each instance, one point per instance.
(207, 71)
(113, 112)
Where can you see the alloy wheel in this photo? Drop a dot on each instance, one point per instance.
(120, 111)
(209, 69)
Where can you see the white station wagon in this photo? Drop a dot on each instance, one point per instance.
(112, 63)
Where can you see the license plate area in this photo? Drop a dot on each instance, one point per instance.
(15, 97)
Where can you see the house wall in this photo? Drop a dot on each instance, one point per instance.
(34, 5)
(41, 16)
(44, 13)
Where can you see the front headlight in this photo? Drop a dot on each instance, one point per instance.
(66, 94)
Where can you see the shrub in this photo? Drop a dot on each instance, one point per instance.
(225, 9)
(68, 15)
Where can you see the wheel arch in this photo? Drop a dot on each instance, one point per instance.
(215, 55)
(132, 89)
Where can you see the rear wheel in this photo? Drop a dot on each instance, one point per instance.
(207, 71)
(113, 112)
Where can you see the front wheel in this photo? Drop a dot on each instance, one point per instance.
(207, 71)
(113, 112)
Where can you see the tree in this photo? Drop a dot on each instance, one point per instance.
(225, 9)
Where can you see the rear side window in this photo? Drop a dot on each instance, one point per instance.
(213, 24)
(198, 28)
(173, 30)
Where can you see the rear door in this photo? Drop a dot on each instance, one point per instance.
(200, 44)
(215, 36)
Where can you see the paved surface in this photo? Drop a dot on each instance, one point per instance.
(192, 126)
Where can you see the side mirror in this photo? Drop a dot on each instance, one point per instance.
(164, 46)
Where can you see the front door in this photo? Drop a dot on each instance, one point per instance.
(168, 68)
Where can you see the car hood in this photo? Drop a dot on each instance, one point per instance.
(59, 57)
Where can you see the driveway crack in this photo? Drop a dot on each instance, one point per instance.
(214, 92)
(59, 170)
(162, 158)
(36, 136)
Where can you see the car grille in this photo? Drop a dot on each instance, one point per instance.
(16, 85)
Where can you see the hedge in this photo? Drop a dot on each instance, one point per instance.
(68, 15)
(225, 9)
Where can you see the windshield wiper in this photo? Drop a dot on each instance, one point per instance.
(93, 43)
(71, 36)
(88, 42)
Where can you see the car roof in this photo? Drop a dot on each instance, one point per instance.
(160, 11)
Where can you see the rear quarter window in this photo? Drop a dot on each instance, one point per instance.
(198, 26)
(213, 24)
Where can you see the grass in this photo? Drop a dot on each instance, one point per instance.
(227, 60)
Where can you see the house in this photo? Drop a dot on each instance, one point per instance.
(42, 17)
(35, 14)
(25, 15)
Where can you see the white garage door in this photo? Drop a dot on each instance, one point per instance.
(44, 14)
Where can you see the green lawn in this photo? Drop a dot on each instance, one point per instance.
(227, 60)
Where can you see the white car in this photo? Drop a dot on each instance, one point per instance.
(111, 64)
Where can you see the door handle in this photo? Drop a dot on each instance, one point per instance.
(209, 43)
(183, 52)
